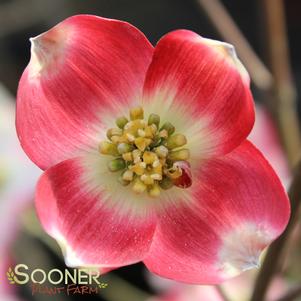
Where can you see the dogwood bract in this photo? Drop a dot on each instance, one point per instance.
(145, 151)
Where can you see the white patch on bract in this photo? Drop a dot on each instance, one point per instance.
(228, 51)
(70, 257)
(38, 57)
(47, 48)
(241, 249)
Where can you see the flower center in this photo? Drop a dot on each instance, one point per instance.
(148, 156)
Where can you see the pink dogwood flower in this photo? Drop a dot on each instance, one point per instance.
(145, 151)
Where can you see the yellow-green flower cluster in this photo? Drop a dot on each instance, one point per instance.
(145, 152)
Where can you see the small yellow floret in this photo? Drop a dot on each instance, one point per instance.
(136, 113)
(154, 191)
(147, 179)
(149, 157)
(128, 175)
(139, 186)
(142, 143)
(138, 168)
(108, 148)
(180, 155)
(127, 157)
(114, 132)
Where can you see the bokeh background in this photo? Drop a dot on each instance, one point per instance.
(266, 34)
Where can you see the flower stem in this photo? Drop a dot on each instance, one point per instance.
(283, 95)
(277, 249)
